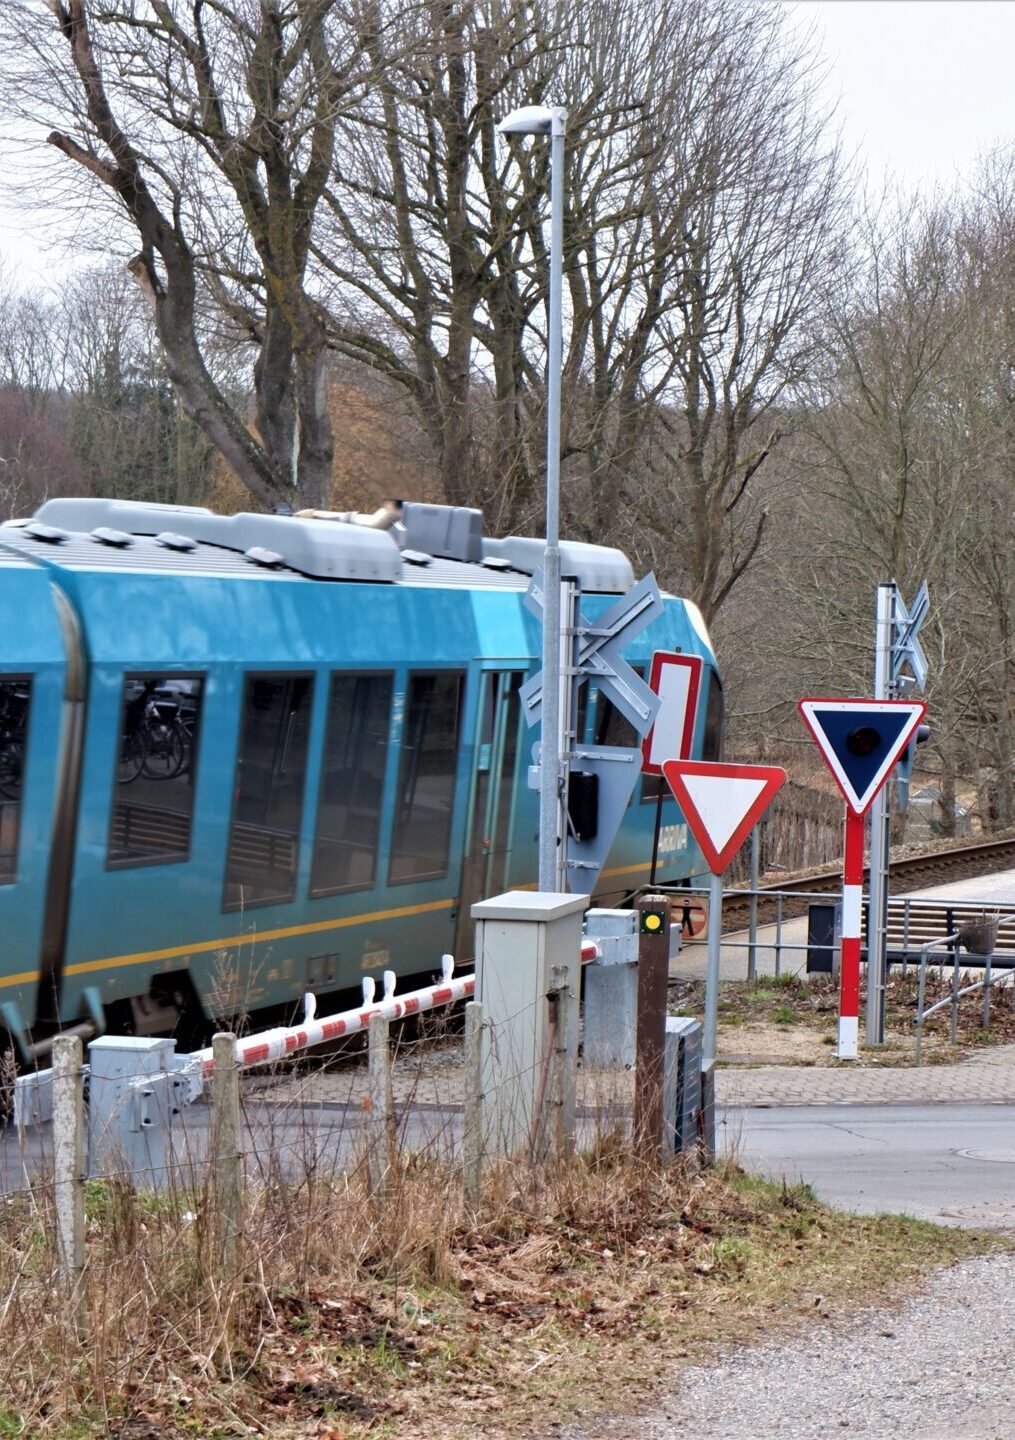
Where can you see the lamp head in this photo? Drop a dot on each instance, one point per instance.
(531, 120)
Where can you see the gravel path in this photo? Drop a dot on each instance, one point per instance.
(937, 1367)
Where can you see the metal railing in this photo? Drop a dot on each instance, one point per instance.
(752, 944)
(910, 906)
(991, 976)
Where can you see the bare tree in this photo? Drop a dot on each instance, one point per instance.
(702, 209)
(212, 125)
(312, 175)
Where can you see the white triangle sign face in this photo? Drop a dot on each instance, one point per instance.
(861, 741)
(722, 803)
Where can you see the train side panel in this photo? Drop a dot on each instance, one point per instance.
(173, 917)
(202, 870)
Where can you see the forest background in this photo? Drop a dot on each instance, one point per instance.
(309, 272)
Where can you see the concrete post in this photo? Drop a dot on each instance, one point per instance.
(226, 1155)
(380, 1141)
(69, 1168)
(528, 973)
(472, 1120)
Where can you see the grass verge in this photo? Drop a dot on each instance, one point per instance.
(418, 1316)
(800, 1014)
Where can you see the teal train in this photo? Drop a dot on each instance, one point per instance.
(243, 757)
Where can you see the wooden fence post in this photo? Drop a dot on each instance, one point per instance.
(226, 1157)
(69, 1164)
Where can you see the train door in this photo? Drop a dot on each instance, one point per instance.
(40, 693)
(491, 811)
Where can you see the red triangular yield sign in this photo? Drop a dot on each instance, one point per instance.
(722, 803)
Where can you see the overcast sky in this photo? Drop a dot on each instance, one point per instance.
(924, 86)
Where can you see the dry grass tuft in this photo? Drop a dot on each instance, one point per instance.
(414, 1314)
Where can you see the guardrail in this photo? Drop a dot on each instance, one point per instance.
(752, 944)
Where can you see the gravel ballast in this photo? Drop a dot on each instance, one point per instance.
(936, 1366)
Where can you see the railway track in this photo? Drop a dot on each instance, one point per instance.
(911, 872)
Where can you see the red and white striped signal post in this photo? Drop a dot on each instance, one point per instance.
(860, 742)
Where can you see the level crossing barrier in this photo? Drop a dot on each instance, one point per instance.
(140, 1086)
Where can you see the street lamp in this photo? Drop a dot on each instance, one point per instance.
(541, 120)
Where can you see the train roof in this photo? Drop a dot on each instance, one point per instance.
(428, 545)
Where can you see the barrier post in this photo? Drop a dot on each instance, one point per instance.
(611, 991)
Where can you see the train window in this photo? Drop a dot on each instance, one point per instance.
(352, 782)
(715, 714)
(271, 776)
(613, 726)
(426, 777)
(15, 702)
(156, 762)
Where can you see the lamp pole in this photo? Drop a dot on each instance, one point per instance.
(541, 120)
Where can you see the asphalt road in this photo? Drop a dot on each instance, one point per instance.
(950, 1163)
(943, 1162)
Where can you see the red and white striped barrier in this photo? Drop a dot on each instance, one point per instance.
(279, 1044)
(287, 1040)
